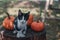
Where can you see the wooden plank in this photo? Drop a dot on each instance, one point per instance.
(55, 18)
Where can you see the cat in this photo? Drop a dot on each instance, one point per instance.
(20, 23)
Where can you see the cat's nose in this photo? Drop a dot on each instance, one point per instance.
(22, 22)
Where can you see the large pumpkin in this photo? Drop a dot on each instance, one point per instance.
(37, 26)
(30, 20)
(8, 23)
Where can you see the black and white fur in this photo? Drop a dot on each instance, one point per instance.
(20, 24)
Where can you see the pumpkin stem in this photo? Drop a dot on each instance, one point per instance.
(8, 15)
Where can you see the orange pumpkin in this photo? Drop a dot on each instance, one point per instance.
(30, 20)
(8, 23)
(37, 26)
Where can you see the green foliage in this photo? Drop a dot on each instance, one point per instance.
(1, 20)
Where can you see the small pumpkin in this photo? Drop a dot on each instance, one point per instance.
(8, 23)
(30, 20)
(37, 26)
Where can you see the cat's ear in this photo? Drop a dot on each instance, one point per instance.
(19, 12)
(28, 13)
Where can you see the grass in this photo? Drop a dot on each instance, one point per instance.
(52, 29)
(1, 20)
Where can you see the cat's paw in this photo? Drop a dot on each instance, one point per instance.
(24, 32)
(20, 35)
(15, 31)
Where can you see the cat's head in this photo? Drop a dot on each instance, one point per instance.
(23, 17)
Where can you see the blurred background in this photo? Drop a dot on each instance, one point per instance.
(35, 7)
